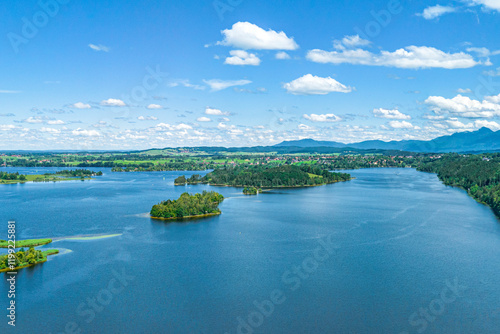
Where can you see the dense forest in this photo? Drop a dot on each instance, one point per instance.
(188, 205)
(268, 177)
(479, 175)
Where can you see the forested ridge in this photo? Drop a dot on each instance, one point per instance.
(479, 175)
(188, 205)
(265, 177)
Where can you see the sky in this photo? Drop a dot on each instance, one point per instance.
(115, 75)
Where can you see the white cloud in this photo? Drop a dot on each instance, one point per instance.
(433, 117)
(433, 12)
(240, 57)
(413, 57)
(55, 122)
(181, 126)
(350, 42)
(85, 133)
(154, 106)
(493, 73)
(454, 123)
(215, 112)
(401, 125)
(307, 128)
(245, 35)
(6, 127)
(282, 55)
(322, 118)
(464, 90)
(488, 4)
(483, 52)
(81, 105)
(483, 123)
(113, 103)
(33, 120)
(389, 114)
(99, 47)
(203, 119)
(147, 118)
(217, 85)
(185, 83)
(314, 85)
(51, 130)
(466, 107)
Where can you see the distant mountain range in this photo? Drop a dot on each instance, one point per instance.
(482, 140)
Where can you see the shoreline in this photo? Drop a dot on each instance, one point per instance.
(187, 217)
(264, 188)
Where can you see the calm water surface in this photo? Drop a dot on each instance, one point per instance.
(393, 251)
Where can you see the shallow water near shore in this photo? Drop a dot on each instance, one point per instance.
(392, 251)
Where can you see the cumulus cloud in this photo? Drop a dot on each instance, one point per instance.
(51, 130)
(487, 4)
(487, 124)
(465, 106)
(113, 103)
(245, 35)
(55, 122)
(99, 47)
(389, 114)
(454, 123)
(5, 127)
(216, 85)
(203, 119)
(464, 90)
(483, 52)
(215, 112)
(85, 133)
(282, 55)
(314, 85)
(401, 125)
(329, 118)
(411, 57)
(154, 106)
(147, 118)
(80, 105)
(181, 126)
(434, 12)
(350, 42)
(35, 120)
(241, 57)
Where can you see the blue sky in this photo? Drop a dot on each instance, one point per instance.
(136, 75)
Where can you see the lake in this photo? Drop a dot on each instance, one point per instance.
(393, 251)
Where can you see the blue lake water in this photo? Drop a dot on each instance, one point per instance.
(393, 251)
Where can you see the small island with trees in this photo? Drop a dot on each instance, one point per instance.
(251, 191)
(63, 175)
(24, 258)
(198, 205)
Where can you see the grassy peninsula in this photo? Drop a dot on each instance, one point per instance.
(26, 243)
(64, 175)
(267, 177)
(189, 206)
